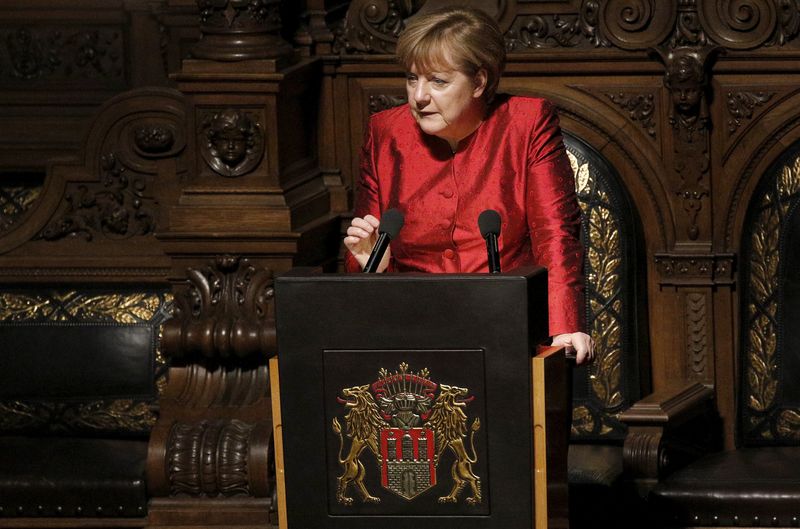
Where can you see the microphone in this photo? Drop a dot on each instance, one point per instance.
(391, 222)
(489, 224)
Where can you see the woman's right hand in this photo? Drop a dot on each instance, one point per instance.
(362, 234)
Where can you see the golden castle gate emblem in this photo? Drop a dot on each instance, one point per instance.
(407, 422)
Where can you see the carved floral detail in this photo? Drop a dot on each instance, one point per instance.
(788, 26)
(15, 201)
(116, 208)
(372, 26)
(226, 310)
(741, 106)
(63, 53)
(640, 108)
(682, 269)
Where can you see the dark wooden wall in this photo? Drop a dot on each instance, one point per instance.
(690, 101)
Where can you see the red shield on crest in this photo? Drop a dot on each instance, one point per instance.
(407, 460)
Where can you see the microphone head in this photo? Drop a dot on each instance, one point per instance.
(489, 223)
(391, 222)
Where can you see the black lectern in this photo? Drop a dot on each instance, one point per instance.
(407, 400)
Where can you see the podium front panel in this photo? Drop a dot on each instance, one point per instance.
(406, 399)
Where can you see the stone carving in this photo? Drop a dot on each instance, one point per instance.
(232, 142)
(116, 208)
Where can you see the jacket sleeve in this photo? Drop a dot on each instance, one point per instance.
(554, 222)
(366, 198)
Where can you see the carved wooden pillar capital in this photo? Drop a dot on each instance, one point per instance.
(238, 30)
(226, 310)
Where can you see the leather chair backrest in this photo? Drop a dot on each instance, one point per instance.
(80, 362)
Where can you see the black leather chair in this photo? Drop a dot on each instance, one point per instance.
(79, 380)
(599, 496)
(758, 483)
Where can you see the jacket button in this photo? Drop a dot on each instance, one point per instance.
(449, 254)
(447, 193)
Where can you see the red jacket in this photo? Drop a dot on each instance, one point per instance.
(514, 163)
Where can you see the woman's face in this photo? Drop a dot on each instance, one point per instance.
(446, 103)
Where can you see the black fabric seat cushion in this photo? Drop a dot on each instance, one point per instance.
(53, 476)
(747, 486)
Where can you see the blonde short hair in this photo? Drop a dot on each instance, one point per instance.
(464, 38)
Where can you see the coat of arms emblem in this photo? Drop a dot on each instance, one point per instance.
(407, 422)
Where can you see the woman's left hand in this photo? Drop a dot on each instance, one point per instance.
(578, 342)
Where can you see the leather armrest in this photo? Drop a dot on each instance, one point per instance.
(666, 430)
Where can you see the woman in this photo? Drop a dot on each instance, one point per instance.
(461, 150)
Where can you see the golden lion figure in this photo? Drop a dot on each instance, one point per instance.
(364, 423)
(449, 423)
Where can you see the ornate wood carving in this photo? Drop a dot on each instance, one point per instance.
(227, 310)
(372, 26)
(739, 24)
(119, 207)
(741, 106)
(556, 31)
(640, 107)
(687, 81)
(237, 30)
(700, 269)
(59, 53)
(233, 141)
(697, 335)
(210, 458)
(17, 197)
(644, 455)
(214, 435)
(637, 24)
(665, 428)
